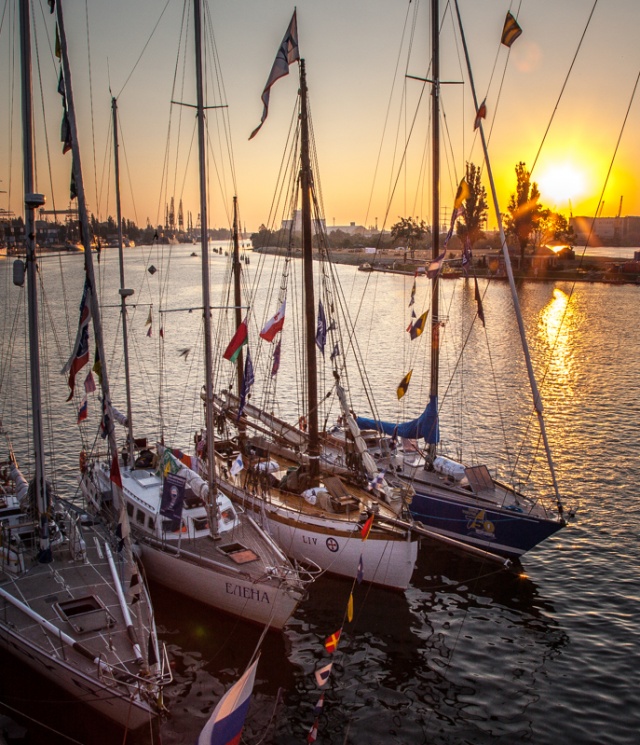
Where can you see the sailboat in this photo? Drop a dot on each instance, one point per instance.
(72, 606)
(315, 512)
(192, 538)
(455, 500)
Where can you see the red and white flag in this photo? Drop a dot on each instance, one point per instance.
(275, 324)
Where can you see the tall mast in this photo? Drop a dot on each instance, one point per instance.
(206, 300)
(537, 400)
(307, 260)
(31, 202)
(237, 298)
(435, 220)
(84, 223)
(124, 293)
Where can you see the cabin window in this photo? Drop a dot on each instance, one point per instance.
(84, 614)
(151, 523)
(228, 515)
(140, 517)
(129, 509)
(201, 523)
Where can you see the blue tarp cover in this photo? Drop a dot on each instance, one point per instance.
(425, 426)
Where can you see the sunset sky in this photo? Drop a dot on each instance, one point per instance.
(356, 53)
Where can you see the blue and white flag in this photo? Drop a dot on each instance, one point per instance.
(321, 330)
(237, 465)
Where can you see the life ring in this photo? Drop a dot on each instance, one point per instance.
(83, 461)
(302, 423)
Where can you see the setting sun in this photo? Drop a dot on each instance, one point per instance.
(562, 183)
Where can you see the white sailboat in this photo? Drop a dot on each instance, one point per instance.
(71, 604)
(315, 513)
(192, 538)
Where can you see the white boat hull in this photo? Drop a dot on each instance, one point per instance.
(235, 594)
(105, 699)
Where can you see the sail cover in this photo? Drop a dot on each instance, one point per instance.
(425, 426)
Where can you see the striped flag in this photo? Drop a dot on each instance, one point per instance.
(511, 31)
(227, 721)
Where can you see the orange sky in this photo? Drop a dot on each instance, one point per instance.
(352, 51)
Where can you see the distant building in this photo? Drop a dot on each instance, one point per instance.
(606, 229)
(295, 225)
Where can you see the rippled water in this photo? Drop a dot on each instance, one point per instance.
(467, 654)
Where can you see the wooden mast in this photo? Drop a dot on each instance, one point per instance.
(435, 220)
(309, 300)
(206, 296)
(31, 202)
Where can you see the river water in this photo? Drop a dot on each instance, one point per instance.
(469, 653)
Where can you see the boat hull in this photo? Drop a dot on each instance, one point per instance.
(502, 531)
(387, 559)
(132, 713)
(235, 594)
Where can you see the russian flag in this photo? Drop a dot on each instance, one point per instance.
(226, 723)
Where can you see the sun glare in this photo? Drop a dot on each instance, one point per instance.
(560, 184)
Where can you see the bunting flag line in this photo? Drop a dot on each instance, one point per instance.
(135, 587)
(479, 302)
(89, 383)
(275, 324)
(413, 292)
(238, 340)
(360, 572)
(335, 353)
(237, 465)
(463, 192)
(83, 322)
(435, 266)
(248, 380)
(317, 709)
(466, 253)
(79, 361)
(321, 329)
(366, 529)
(287, 54)
(511, 31)
(227, 720)
(83, 411)
(114, 474)
(97, 365)
(331, 642)
(481, 114)
(418, 327)
(149, 320)
(313, 732)
(276, 360)
(376, 481)
(404, 384)
(350, 608)
(322, 675)
(149, 331)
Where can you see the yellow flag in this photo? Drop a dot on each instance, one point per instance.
(510, 31)
(350, 608)
(149, 319)
(464, 192)
(404, 384)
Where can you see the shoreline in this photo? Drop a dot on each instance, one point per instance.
(588, 269)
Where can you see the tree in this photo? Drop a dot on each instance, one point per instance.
(409, 231)
(552, 226)
(524, 210)
(475, 207)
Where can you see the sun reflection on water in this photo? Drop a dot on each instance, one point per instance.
(554, 330)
